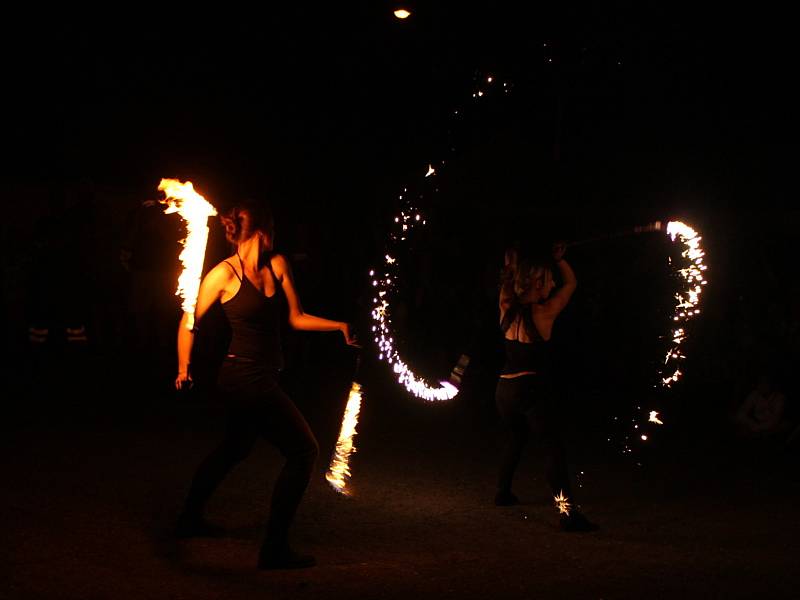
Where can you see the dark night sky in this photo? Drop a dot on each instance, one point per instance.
(342, 102)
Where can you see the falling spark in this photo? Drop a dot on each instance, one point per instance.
(339, 469)
(562, 503)
(402, 13)
(181, 198)
(654, 418)
(430, 172)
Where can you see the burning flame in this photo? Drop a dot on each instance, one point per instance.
(562, 503)
(194, 210)
(654, 418)
(339, 469)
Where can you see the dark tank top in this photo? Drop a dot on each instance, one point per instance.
(527, 356)
(255, 323)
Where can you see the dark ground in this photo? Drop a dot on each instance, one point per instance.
(98, 460)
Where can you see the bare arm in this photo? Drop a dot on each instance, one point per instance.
(561, 296)
(210, 291)
(298, 318)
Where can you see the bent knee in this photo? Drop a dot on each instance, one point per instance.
(307, 452)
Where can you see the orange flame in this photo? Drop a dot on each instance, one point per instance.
(194, 210)
(339, 470)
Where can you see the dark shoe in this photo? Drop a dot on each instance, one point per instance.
(505, 498)
(285, 558)
(575, 522)
(190, 527)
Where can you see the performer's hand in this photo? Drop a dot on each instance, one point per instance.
(183, 381)
(349, 338)
(559, 248)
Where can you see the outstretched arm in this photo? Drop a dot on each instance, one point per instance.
(298, 318)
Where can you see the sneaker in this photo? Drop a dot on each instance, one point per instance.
(285, 558)
(575, 522)
(505, 498)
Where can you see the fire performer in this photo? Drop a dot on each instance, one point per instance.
(247, 284)
(525, 395)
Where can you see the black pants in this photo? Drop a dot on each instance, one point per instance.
(258, 408)
(527, 405)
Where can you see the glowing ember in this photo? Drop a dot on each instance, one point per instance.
(562, 503)
(431, 171)
(339, 470)
(654, 418)
(689, 299)
(194, 210)
(402, 13)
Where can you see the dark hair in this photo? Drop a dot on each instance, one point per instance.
(237, 224)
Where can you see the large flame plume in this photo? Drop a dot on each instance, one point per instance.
(181, 198)
(338, 473)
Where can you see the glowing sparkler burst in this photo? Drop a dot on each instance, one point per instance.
(689, 299)
(339, 470)
(686, 307)
(562, 503)
(181, 198)
(384, 282)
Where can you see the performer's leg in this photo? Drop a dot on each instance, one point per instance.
(284, 426)
(547, 422)
(239, 439)
(548, 428)
(508, 401)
